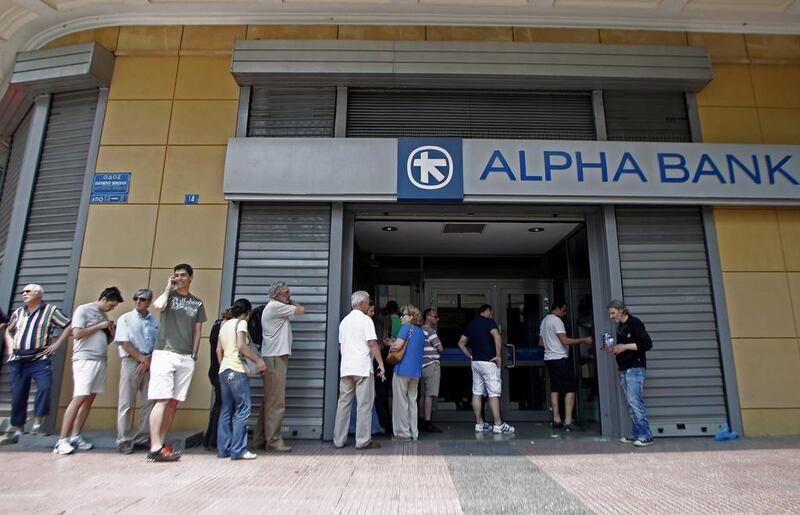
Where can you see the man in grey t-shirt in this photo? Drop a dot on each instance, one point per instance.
(92, 332)
(172, 364)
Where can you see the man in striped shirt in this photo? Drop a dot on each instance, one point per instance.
(30, 358)
(431, 371)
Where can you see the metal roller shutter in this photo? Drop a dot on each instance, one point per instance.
(666, 283)
(10, 180)
(290, 243)
(53, 215)
(296, 112)
(646, 116)
(377, 113)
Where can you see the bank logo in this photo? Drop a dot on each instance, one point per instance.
(429, 169)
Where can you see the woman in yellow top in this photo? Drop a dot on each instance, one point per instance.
(231, 349)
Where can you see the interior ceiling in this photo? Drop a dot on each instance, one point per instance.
(427, 238)
(28, 24)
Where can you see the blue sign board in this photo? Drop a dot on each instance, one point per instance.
(430, 169)
(111, 188)
(191, 198)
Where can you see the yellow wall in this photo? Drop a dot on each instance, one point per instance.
(173, 105)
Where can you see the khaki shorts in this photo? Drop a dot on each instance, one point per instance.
(486, 379)
(431, 377)
(88, 377)
(170, 376)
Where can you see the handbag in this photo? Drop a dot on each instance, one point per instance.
(396, 355)
(250, 367)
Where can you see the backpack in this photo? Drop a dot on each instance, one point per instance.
(254, 326)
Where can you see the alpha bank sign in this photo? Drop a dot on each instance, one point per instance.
(447, 169)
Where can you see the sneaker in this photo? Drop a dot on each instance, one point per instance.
(81, 443)
(125, 447)
(63, 447)
(556, 425)
(483, 427)
(503, 429)
(246, 456)
(627, 439)
(428, 427)
(38, 430)
(10, 438)
(162, 455)
(278, 447)
(571, 427)
(643, 442)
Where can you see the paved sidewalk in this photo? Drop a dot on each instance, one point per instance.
(504, 475)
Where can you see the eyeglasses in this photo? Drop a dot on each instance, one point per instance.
(137, 299)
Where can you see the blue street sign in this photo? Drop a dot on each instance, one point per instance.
(110, 188)
(191, 198)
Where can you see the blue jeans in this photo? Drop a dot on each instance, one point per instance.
(232, 429)
(632, 382)
(20, 375)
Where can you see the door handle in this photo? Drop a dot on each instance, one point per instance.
(513, 355)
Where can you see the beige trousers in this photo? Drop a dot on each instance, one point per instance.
(404, 406)
(131, 383)
(363, 388)
(273, 406)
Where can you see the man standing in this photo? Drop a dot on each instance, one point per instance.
(431, 369)
(276, 347)
(136, 335)
(553, 337)
(631, 345)
(29, 355)
(357, 341)
(485, 350)
(92, 331)
(172, 365)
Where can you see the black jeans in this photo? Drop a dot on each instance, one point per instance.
(210, 438)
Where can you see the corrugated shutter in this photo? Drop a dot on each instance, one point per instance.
(290, 243)
(53, 214)
(646, 116)
(296, 112)
(10, 180)
(377, 113)
(666, 283)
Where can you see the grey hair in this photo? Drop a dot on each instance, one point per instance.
(144, 292)
(275, 287)
(358, 297)
(36, 287)
(617, 304)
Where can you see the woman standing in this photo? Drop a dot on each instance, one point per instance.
(235, 388)
(406, 375)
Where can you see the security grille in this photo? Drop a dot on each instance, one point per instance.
(290, 243)
(666, 283)
(10, 181)
(389, 113)
(296, 112)
(646, 116)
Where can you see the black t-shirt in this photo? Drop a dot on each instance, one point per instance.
(481, 342)
(633, 331)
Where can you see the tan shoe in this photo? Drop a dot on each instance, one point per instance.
(279, 447)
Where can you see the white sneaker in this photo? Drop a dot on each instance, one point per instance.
(63, 447)
(247, 456)
(503, 429)
(484, 427)
(81, 443)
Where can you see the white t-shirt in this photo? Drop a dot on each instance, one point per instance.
(550, 328)
(276, 331)
(355, 330)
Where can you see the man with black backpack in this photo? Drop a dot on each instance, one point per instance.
(276, 347)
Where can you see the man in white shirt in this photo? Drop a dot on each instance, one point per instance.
(276, 347)
(358, 344)
(553, 337)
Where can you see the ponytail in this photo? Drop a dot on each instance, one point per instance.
(237, 309)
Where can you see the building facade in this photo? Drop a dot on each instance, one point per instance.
(204, 117)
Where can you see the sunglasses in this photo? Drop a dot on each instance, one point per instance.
(29, 291)
(143, 299)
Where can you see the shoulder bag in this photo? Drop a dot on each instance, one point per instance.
(396, 355)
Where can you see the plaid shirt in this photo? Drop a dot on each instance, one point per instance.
(31, 331)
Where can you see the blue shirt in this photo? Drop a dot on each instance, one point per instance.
(480, 340)
(140, 331)
(411, 364)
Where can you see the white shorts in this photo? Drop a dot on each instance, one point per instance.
(170, 376)
(486, 379)
(88, 377)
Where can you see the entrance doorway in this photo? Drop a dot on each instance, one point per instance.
(519, 266)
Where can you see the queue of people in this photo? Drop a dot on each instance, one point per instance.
(158, 342)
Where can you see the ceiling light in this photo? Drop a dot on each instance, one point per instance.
(536, 229)
(389, 228)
